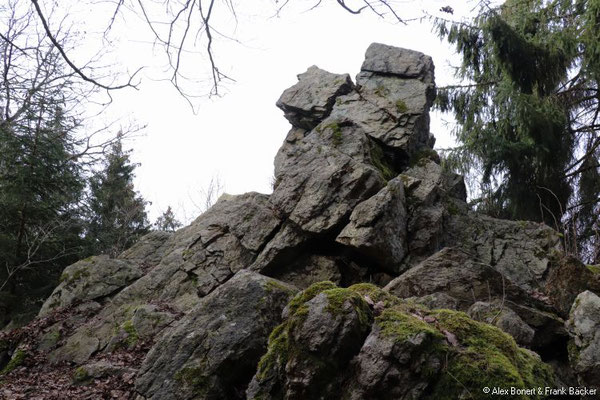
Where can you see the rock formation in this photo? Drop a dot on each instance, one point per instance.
(364, 275)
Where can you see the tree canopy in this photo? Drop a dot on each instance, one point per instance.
(41, 193)
(527, 112)
(167, 221)
(117, 213)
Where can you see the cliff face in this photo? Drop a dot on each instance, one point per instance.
(362, 276)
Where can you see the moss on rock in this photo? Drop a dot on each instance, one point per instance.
(273, 285)
(465, 355)
(277, 352)
(485, 357)
(401, 326)
(132, 335)
(308, 294)
(81, 375)
(193, 378)
(375, 293)
(401, 106)
(16, 360)
(338, 297)
(379, 161)
(594, 268)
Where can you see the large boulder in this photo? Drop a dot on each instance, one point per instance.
(584, 351)
(567, 278)
(398, 350)
(324, 177)
(94, 278)
(310, 100)
(522, 251)
(213, 351)
(454, 272)
(496, 313)
(377, 227)
(396, 91)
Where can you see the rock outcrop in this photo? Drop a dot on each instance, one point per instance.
(364, 275)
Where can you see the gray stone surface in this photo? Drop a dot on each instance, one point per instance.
(384, 359)
(92, 279)
(584, 324)
(566, 279)
(212, 352)
(324, 176)
(310, 100)
(496, 313)
(454, 272)
(150, 249)
(377, 227)
(405, 63)
(308, 270)
(437, 300)
(100, 369)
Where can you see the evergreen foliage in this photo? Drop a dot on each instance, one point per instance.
(41, 189)
(117, 215)
(167, 221)
(527, 113)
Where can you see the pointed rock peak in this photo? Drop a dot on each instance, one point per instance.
(388, 60)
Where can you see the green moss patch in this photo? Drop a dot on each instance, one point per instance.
(594, 268)
(485, 357)
(274, 286)
(81, 375)
(337, 297)
(379, 161)
(308, 294)
(459, 356)
(277, 352)
(396, 323)
(376, 294)
(381, 91)
(336, 132)
(193, 378)
(132, 335)
(17, 359)
(401, 106)
(69, 279)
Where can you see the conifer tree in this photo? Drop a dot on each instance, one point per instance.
(117, 213)
(527, 111)
(167, 221)
(41, 189)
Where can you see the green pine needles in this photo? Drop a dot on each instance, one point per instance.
(527, 112)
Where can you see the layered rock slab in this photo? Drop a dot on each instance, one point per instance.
(213, 350)
(377, 227)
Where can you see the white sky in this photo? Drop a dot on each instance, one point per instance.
(236, 137)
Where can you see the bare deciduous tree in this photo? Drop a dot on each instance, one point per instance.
(180, 27)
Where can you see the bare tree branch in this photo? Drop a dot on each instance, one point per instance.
(71, 64)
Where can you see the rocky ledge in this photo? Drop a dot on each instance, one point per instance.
(364, 275)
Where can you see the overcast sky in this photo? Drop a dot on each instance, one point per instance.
(235, 137)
